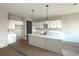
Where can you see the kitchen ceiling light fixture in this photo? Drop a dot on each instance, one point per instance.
(32, 14)
(45, 25)
(47, 11)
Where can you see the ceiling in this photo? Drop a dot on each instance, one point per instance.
(25, 9)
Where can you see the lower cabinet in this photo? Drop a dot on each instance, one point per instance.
(38, 42)
(11, 37)
(53, 45)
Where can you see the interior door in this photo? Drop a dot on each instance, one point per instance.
(18, 29)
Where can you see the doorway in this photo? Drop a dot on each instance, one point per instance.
(14, 31)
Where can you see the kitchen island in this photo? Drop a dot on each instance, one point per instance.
(50, 43)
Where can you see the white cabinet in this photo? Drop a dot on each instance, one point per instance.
(53, 45)
(50, 24)
(50, 44)
(37, 24)
(47, 25)
(11, 37)
(36, 41)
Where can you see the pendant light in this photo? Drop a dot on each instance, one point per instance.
(45, 25)
(32, 14)
(47, 11)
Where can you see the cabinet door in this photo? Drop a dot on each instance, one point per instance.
(53, 45)
(50, 24)
(36, 41)
(37, 24)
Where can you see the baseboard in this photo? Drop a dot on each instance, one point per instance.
(71, 43)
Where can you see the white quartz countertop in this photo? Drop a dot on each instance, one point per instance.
(47, 36)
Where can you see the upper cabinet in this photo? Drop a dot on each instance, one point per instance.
(56, 24)
(37, 24)
(50, 24)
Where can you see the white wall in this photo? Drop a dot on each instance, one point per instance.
(19, 32)
(23, 30)
(3, 28)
